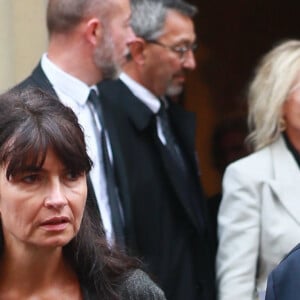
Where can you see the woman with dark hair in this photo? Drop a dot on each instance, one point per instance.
(50, 247)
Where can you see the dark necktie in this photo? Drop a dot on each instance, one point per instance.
(184, 180)
(171, 143)
(112, 190)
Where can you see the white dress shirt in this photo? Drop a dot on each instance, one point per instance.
(74, 93)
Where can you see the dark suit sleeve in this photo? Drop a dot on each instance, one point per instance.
(270, 293)
(139, 286)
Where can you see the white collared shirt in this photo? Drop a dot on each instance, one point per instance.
(74, 93)
(149, 99)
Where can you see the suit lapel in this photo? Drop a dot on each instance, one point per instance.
(184, 124)
(117, 94)
(139, 114)
(144, 119)
(177, 183)
(286, 184)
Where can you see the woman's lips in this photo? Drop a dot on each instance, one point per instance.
(55, 223)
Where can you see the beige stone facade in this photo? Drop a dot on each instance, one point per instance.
(23, 38)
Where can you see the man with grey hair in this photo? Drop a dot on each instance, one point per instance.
(166, 213)
(88, 42)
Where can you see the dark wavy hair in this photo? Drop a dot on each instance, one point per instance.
(31, 122)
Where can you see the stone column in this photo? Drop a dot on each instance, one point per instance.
(6, 45)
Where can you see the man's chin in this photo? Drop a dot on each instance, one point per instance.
(174, 90)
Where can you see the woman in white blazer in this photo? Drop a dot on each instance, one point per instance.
(259, 216)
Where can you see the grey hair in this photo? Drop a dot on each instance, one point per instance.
(64, 15)
(148, 16)
(274, 79)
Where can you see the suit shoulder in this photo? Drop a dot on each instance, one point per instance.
(138, 285)
(284, 279)
(113, 93)
(292, 257)
(37, 79)
(249, 163)
(26, 83)
(110, 87)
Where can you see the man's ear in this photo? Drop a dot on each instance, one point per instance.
(138, 50)
(93, 31)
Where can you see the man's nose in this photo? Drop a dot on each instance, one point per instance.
(190, 61)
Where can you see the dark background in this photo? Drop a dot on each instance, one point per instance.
(232, 37)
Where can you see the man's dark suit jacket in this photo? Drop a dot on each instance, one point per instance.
(284, 281)
(39, 80)
(166, 225)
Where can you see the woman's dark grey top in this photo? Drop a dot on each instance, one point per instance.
(138, 286)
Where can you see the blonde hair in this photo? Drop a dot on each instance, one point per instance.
(274, 78)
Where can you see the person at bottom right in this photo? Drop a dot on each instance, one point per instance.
(283, 282)
(259, 215)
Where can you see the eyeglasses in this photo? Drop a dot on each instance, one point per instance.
(181, 51)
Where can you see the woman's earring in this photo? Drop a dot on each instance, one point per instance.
(282, 124)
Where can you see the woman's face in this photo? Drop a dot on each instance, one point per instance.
(291, 114)
(41, 207)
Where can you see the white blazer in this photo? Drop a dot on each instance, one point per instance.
(258, 221)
